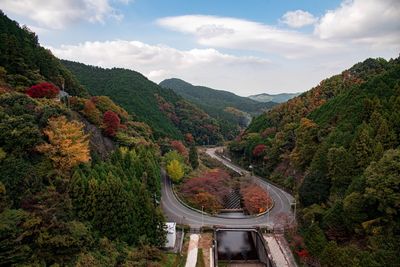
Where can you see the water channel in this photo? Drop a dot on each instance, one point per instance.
(236, 246)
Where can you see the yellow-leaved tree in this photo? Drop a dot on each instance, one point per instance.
(175, 170)
(68, 144)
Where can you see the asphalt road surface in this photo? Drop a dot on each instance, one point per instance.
(177, 212)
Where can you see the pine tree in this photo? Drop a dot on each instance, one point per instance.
(383, 183)
(339, 169)
(193, 157)
(385, 135)
(306, 143)
(362, 147)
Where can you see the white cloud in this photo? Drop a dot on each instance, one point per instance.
(300, 60)
(159, 62)
(125, 2)
(365, 21)
(38, 30)
(56, 14)
(242, 75)
(298, 18)
(236, 33)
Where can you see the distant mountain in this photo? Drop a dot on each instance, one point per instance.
(226, 106)
(278, 98)
(168, 114)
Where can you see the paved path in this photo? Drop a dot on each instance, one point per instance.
(177, 212)
(281, 255)
(193, 248)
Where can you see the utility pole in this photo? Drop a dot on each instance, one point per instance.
(202, 217)
(295, 204)
(294, 215)
(268, 207)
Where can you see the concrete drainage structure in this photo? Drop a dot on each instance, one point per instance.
(240, 247)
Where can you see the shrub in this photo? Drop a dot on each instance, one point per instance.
(43, 90)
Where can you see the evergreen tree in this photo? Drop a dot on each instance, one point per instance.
(306, 143)
(339, 169)
(385, 135)
(193, 157)
(383, 183)
(362, 147)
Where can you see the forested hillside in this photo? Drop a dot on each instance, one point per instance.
(168, 114)
(337, 148)
(68, 195)
(230, 109)
(27, 63)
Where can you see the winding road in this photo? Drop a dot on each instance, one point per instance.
(177, 212)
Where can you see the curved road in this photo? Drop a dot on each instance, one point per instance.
(179, 213)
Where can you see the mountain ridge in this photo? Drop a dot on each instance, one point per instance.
(164, 110)
(233, 111)
(278, 98)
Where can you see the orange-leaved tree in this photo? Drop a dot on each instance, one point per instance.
(255, 199)
(67, 145)
(180, 147)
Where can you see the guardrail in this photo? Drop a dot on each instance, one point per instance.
(217, 215)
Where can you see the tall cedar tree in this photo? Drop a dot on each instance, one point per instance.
(193, 157)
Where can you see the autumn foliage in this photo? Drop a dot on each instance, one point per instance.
(68, 145)
(258, 150)
(91, 112)
(111, 123)
(175, 170)
(189, 138)
(43, 90)
(180, 147)
(255, 199)
(207, 190)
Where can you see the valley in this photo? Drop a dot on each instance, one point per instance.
(114, 153)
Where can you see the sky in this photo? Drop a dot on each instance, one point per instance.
(243, 46)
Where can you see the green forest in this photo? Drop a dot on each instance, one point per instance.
(65, 199)
(83, 150)
(168, 114)
(336, 147)
(232, 111)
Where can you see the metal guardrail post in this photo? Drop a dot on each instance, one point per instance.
(181, 243)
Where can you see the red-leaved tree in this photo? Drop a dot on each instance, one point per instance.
(208, 189)
(43, 90)
(258, 150)
(111, 123)
(180, 147)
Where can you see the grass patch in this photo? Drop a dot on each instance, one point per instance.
(171, 260)
(200, 258)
